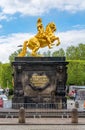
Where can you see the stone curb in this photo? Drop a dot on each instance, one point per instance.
(40, 124)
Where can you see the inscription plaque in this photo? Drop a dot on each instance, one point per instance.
(39, 80)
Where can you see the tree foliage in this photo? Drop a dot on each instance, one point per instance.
(6, 75)
(76, 53)
(13, 55)
(76, 67)
(60, 53)
(76, 73)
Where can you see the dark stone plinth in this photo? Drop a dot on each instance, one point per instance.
(17, 102)
(39, 79)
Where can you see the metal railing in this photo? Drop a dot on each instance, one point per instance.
(35, 110)
(40, 110)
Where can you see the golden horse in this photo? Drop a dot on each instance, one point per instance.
(40, 41)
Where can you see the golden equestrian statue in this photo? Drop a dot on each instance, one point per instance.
(44, 37)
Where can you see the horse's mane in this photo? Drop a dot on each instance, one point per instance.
(48, 27)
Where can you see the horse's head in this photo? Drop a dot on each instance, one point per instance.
(51, 27)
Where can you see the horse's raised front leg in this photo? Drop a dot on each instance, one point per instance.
(57, 38)
(50, 46)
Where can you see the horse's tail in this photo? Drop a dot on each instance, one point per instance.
(24, 50)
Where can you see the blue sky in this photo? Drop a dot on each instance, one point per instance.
(18, 22)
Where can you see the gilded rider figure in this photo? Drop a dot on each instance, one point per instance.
(40, 28)
(41, 32)
(44, 37)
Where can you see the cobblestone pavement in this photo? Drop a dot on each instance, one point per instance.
(42, 127)
(49, 121)
(42, 124)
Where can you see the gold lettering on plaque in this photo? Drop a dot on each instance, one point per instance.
(39, 80)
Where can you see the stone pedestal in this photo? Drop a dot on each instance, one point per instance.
(39, 79)
(17, 102)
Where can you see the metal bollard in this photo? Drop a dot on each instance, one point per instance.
(74, 116)
(22, 115)
(76, 104)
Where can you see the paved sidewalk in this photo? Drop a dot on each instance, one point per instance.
(41, 124)
(42, 127)
(44, 121)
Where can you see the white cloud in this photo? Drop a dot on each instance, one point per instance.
(9, 44)
(78, 26)
(36, 7)
(2, 16)
(73, 37)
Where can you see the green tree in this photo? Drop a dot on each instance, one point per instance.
(47, 54)
(6, 75)
(13, 55)
(76, 73)
(81, 51)
(0, 73)
(76, 53)
(60, 53)
(71, 53)
(76, 66)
